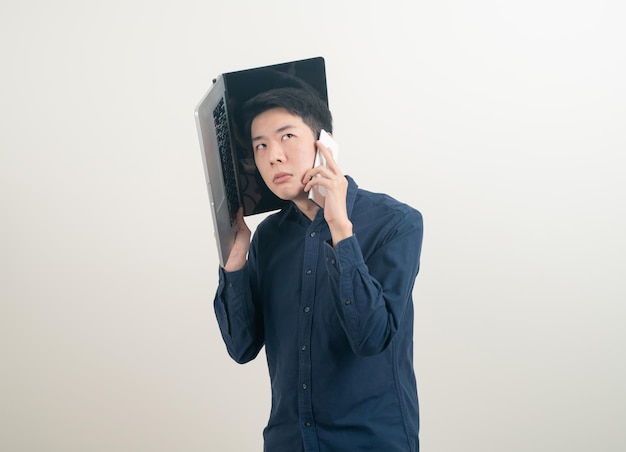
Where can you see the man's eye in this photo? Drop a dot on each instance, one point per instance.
(287, 136)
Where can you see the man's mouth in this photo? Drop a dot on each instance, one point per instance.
(281, 177)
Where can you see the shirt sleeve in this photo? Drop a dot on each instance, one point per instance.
(372, 297)
(239, 320)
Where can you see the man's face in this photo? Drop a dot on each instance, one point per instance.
(284, 149)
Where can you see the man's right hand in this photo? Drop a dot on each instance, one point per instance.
(239, 253)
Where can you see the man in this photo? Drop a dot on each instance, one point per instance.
(328, 292)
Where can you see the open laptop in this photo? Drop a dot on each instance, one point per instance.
(231, 175)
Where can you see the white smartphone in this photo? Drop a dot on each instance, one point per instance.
(318, 193)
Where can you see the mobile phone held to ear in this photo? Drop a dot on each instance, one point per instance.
(318, 193)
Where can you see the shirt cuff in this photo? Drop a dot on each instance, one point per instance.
(235, 282)
(346, 255)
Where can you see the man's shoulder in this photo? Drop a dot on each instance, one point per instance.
(275, 221)
(364, 199)
(381, 216)
(272, 219)
(376, 201)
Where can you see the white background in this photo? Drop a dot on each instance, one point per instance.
(502, 122)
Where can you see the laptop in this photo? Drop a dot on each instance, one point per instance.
(231, 175)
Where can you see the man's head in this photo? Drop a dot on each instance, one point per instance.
(302, 102)
(283, 125)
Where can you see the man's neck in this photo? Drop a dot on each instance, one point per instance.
(308, 208)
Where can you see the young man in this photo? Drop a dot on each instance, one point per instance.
(328, 292)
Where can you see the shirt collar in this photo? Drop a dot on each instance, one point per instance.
(353, 188)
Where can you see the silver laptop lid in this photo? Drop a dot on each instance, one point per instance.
(217, 157)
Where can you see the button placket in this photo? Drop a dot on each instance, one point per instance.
(309, 266)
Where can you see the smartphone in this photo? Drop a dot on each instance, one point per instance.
(318, 193)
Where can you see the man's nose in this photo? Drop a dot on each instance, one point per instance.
(276, 154)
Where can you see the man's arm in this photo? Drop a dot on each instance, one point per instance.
(372, 297)
(238, 317)
(239, 254)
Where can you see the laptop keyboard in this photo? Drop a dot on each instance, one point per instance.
(228, 167)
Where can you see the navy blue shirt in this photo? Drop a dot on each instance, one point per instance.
(336, 323)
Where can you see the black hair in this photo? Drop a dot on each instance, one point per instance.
(303, 102)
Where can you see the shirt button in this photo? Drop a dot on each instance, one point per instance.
(348, 302)
(313, 234)
(307, 424)
(303, 348)
(332, 261)
(309, 271)
(304, 386)
(306, 309)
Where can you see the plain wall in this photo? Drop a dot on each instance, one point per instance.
(502, 122)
